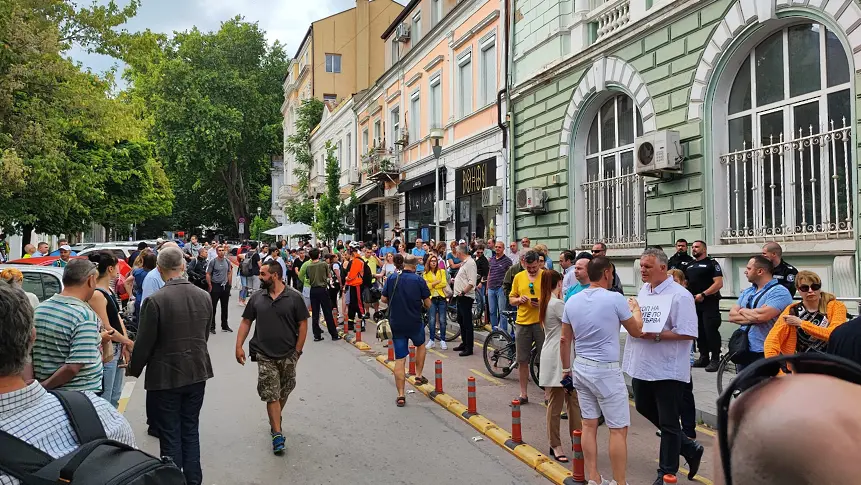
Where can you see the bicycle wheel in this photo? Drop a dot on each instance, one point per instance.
(726, 372)
(534, 367)
(499, 354)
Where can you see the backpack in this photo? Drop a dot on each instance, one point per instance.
(98, 461)
(245, 268)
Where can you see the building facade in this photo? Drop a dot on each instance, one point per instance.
(339, 56)
(761, 93)
(444, 59)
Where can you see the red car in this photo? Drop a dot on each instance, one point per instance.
(122, 266)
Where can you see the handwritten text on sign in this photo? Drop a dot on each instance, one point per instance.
(655, 310)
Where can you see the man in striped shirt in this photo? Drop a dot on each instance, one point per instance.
(66, 354)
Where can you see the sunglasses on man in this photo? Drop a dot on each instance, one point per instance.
(766, 369)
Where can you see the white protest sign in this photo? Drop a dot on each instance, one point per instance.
(655, 310)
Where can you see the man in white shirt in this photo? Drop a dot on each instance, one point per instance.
(464, 290)
(659, 364)
(593, 318)
(566, 260)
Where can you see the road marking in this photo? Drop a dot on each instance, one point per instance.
(492, 380)
(437, 353)
(697, 478)
(128, 388)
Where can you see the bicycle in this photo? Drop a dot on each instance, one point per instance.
(500, 352)
(726, 372)
(477, 313)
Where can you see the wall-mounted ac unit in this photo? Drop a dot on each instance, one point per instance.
(657, 152)
(445, 211)
(353, 176)
(530, 199)
(491, 196)
(402, 32)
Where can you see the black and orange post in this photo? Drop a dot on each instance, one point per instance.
(391, 351)
(578, 468)
(470, 392)
(412, 360)
(516, 434)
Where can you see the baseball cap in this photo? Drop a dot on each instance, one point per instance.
(461, 242)
(159, 240)
(66, 247)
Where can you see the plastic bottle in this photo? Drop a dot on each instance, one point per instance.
(692, 354)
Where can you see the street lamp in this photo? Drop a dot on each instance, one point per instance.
(259, 210)
(436, 136)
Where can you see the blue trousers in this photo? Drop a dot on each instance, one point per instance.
(437, 309)
(498, 304)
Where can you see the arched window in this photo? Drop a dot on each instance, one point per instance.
(786, 173)
(613, 194)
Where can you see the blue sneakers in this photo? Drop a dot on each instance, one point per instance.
(278, 443)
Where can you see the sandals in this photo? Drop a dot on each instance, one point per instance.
(401, 401)
(421, 380)
(523, 399)
(559, 458)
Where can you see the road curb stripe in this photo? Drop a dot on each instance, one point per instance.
(128, 389)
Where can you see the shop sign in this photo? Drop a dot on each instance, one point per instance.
(471, 179)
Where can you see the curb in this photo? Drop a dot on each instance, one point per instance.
(529, 455)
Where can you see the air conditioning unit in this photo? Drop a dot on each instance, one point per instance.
(353, 176)
(530, 199)
(657, 152)
(491, 196)
(402, 32)
(445, 211)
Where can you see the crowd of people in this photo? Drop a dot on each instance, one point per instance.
(79, 340)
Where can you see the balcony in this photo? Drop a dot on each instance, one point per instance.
(608, 17)
(381, 165)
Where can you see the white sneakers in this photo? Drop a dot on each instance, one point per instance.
(429, 344)
(442, 345)
(603, 482)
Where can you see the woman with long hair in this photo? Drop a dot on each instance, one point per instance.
(550, 309)
(806, 326)
(437, 282)
(106, 305)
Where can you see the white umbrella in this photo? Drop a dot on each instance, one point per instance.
(278, 231)
(292, 229)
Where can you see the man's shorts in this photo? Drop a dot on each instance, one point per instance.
(306, 295)
(524, 337)
(276, 379)
(402, 344)
(602, 391)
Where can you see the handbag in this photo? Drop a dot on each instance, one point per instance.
(384, 329)
(739, 342)
(447, 291)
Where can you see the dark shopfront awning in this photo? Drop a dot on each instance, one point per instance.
(422, 181)
(374, 193)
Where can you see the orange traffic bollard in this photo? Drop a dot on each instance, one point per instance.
(391, 351)
(412, 360)
(346, 327)
(358, 332)
(579, 466)
(516, 435)
(438, 376)
(470, 386)
(669, 479)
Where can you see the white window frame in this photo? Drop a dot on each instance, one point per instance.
(435, 102)
(394, 124)
(627, 195)
(416, 31)
(465, 85)
(378, 131)
(349, 151)
(415, 128)
(396, 51)
(366, 141)
(436, 12)
(331, 65)
(733, 226)
(487, 71)
(340, 153)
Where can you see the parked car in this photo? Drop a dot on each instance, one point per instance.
(121, 252)
(122, 266)
(42, 281)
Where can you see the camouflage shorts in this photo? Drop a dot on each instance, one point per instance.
(276, 379)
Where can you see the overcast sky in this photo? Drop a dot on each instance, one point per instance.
(284, 20)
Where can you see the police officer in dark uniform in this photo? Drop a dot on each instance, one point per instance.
(681, 259)
(705, 279)
(783, 272)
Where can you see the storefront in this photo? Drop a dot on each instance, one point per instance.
(420, 198)
(370, 218)
(473, 220)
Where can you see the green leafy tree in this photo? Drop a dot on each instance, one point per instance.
(258, 226)
(214, 101)
(298, 144)
(331, 210)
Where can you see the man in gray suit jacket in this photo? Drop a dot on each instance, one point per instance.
(171, 343)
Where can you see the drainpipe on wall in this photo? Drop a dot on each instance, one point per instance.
(508, 132)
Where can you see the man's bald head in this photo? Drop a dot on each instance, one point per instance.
(799, 429)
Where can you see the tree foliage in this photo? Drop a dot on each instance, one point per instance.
(298, 144)
(331, 210)
(214, 102)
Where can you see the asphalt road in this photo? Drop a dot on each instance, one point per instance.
(341, 424)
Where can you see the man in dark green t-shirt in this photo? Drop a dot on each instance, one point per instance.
(317, 275)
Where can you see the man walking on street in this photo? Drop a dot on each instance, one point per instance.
(784, 272)
(355, 271)
(406, 293)
(499, 264)
(219, 278)
(317, 273)
(66, 352)
(525, 293)
(279, 337)
(705, 279)
(681, 259)
(172, 345)
(464, 291)
(660, 368)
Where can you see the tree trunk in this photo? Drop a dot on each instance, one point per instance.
(237, 197)
(26, 237)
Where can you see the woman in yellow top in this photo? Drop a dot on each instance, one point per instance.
(437, 282)
(806, 326)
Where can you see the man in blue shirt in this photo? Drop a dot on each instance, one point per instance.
(387, 249)
(419, 252)
(405, 293)
(759, 306)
